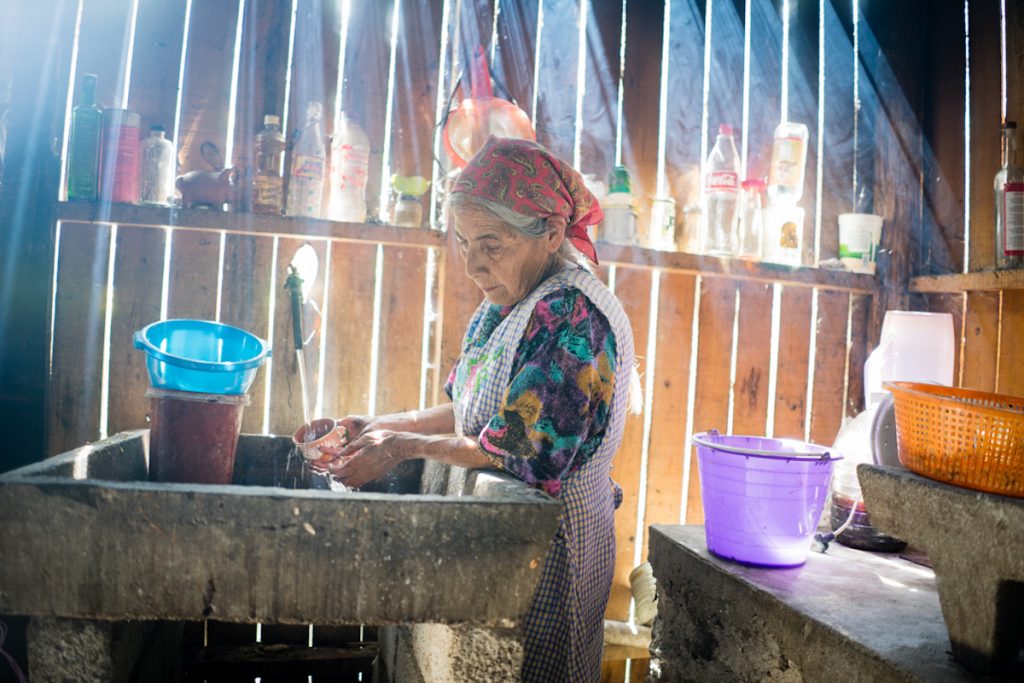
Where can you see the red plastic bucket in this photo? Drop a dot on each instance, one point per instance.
(192, 436)
(762, 497)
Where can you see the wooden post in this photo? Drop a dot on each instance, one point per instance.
(38, 68)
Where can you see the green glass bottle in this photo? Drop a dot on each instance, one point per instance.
(84, 144)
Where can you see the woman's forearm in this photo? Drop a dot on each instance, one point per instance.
(462, 451)
(437, 420)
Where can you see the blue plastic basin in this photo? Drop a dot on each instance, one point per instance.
(201, 356)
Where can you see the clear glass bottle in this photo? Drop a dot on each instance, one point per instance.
(789, 159)
(721, 195)
(157, 169)
(751, 241)
(84, 144)
(1009, 197)
(267, 183)
(306, 180)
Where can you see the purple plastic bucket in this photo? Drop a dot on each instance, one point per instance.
(762, 497)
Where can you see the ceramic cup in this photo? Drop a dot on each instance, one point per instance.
(320, 440)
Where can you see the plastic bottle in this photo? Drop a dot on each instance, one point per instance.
(1009, 197)
(721, 195)
(350, 164)
(157, 168)
(751, 241)
(267, 184)
(619, 224)
(306, 181)
(119, 156)
(789, 160)
(84, 144)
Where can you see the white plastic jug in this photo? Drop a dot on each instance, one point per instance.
(914, 347)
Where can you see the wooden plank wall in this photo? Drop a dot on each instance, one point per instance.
(715, 352)
(988, 323)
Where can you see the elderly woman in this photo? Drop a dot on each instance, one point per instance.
(540, 391)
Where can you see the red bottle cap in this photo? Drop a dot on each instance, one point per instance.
(725, 129)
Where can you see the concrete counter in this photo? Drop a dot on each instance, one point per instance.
(85, 537)
(843, 617)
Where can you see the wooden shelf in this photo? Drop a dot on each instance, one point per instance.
(267, 224)
(246, 223)
(985, 280)
(737, 269)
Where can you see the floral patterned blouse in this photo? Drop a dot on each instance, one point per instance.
(555, 411)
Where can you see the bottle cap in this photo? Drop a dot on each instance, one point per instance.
(618, 180)
(725, 129)
(754, 184)
(1009, 124)
(157, 128)
(271, 120)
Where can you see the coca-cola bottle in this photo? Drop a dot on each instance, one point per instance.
(721, 196)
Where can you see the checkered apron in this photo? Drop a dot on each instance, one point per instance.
(564, 629)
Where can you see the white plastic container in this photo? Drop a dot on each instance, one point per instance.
(859, 237)
(913, 347)
(619, 224)
(783, 235)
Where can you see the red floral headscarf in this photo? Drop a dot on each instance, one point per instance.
(527, 178)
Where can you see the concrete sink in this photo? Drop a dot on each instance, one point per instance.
(85, 535)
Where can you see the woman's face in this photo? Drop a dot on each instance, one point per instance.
(505, 264)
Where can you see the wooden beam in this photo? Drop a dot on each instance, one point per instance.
(979, 281)
(246, 223)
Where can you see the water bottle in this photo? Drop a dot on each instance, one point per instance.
(267, 184)
(306, 181)
(789, 159)
(157, 169)
(350, 164)
(721, 195)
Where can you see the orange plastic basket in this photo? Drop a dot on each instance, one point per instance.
(968, 438)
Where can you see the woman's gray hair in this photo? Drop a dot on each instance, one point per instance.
(529, 226)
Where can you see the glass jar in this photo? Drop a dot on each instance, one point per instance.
(751, 241)
(157, 169)
(408, 211)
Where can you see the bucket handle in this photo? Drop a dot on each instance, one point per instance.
(824, 456)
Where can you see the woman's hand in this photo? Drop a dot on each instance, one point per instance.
(371, 455)
(355, 424)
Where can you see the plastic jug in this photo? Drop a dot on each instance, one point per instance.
(914, 346)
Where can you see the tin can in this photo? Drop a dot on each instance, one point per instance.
(119, 156)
